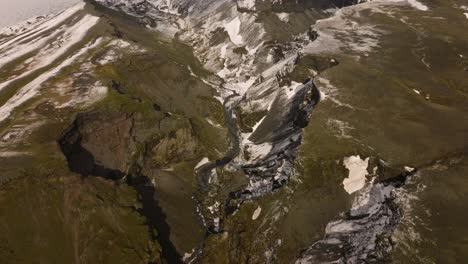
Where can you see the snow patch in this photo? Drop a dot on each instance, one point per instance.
(52, 51)
(32, 89)
(339, 227)
(233, 30)
(258, 124)
(9, 154)
(216, 222)
(214, 208)
(418, 5)
(202, 162)
(246, 4)
(212, 123)
(256, 213)
(81, 96)
(223, 51)
(283, 17)
(18, 46)
(256, 151)
(357, 173)
(167, 6)
(292, 90)
(188, 255)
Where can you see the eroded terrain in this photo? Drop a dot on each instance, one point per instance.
(235, 132)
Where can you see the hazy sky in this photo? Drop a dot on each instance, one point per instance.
(14, 11)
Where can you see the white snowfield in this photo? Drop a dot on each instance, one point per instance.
(357, 173)
(413, 3)
(256, 213)
(233, 30)
(465, 8)
(26, 9)
(418, 5)
(292, 90)
(29, 40)
(283, 17)
(32, 89)
(65, 38)
(47, 44)
(246, 4)
(202, 162)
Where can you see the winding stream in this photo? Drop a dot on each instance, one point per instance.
(204, 172)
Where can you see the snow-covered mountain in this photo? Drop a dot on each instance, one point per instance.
(228, 130)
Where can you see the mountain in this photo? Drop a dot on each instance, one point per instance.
(223, 131)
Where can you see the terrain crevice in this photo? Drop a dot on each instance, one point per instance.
(81, 161)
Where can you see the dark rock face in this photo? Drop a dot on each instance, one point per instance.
(99, 145)
(274, 170)
(104, 145)
(177, 146)
(313, 35)
(156, 218)
(364, 235)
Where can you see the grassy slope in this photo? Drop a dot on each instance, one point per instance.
(49, 214)
(389, 120)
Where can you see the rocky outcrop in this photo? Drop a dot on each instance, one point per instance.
(177, 146)
(274, 170)
(100, 145)
(364, 235)
(103, 144)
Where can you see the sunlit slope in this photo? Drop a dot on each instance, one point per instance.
(140, 101)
